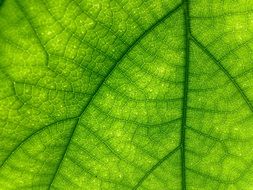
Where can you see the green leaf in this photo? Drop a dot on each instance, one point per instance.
(126, 94)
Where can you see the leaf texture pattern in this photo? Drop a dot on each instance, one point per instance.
(126, 94)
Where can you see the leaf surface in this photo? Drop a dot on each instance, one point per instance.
(126, 94)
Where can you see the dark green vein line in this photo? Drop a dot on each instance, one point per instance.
(30, 136)
(224, 181)
(155, 166)
(225, 71)
(125, 53)
(185, 90)
(101, 140)
(64, 153)
(146, 32)
(34, 31)
(210, 177)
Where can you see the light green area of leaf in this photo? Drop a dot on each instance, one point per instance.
(126, 94)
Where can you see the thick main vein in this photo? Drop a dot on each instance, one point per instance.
(185, 89)
(125, 53)
(181, 147)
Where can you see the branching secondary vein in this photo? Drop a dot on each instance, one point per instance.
(125, 53)
(167, 156)
(225, 71)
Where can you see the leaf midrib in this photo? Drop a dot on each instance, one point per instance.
(187, 28)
